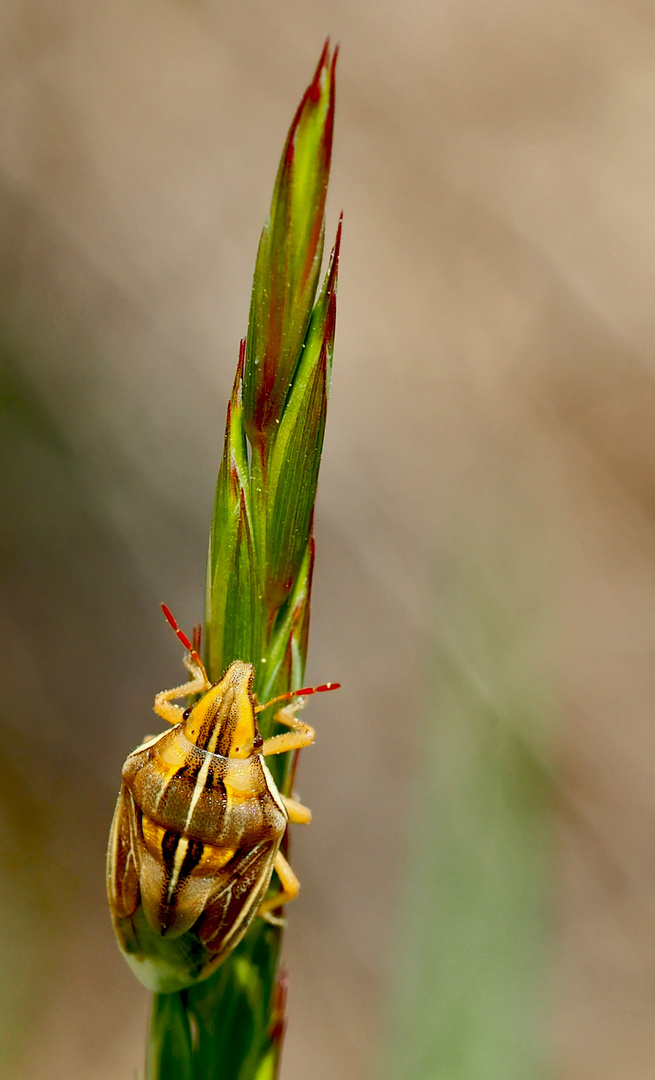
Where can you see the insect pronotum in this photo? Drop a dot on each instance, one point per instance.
(198, 824)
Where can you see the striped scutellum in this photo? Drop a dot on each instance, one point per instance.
(197, 828)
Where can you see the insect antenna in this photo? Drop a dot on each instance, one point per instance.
(305, 692)
(191, 649)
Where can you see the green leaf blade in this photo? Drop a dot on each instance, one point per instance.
(289, 256)
(295, 457)
(233, 594)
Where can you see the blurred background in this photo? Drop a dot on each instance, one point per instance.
(486, 506)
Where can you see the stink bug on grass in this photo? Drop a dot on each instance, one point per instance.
(198, 825)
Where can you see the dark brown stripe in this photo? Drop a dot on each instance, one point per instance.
(169, 843)
(191, 859)
(178, 791)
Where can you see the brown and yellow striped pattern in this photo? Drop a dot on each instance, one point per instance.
(198, 822)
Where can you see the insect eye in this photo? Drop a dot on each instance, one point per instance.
(186, 714)
(257, 742)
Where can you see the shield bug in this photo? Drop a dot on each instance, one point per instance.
(198, 825)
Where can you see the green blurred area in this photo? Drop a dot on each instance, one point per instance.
(471, 976)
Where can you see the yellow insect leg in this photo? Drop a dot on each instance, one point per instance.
(299, 736)
(163, 702)
(298, 814)
(290, 887)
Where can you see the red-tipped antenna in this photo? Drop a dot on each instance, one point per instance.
(305, 692)
(170, 619)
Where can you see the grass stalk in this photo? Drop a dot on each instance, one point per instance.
(259, 570)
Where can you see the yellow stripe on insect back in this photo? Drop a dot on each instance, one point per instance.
(153, 834)
(223, 721)
(172, 757)
(212, 860)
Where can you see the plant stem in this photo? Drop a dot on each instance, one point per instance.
(260, 565)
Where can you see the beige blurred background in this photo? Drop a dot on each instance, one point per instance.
(494, 391)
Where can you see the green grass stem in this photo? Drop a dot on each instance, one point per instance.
(259, 569)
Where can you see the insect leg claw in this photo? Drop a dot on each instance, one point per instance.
(274, 920)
